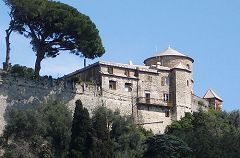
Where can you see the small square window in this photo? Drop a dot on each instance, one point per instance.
(150, 78)
(110, 70)
(112, 85)
(128, 87)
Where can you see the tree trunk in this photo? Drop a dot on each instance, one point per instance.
(40, 56)
(7, 38)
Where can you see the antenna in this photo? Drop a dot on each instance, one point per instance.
(85, 62)
(156, 49)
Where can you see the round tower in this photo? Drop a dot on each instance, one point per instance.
(170, 58)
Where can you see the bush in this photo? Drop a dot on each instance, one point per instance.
(22, 71)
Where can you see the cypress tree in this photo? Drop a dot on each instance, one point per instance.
(80, 144)
(103, 146)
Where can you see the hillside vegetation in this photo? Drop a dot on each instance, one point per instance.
(51, 132)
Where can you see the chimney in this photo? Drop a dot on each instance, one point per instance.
(130, 62)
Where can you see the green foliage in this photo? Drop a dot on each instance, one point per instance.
(102, 145)
(22, 71)
(201, 103)
(210, 134)
(45, 131)
(234, 118)
(81, 141)
(166, 146)
(54, 27)
(128, 138)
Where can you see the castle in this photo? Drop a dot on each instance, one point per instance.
(155, 94)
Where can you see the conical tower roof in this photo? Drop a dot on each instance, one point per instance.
(211, 94)
(170, 52)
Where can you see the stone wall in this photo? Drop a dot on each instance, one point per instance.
(23, 93)
(169, 61)
(183, 92)
(199, 103)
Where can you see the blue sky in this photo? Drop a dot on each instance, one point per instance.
(208, 31)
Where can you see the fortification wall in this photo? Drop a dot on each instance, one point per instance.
(22, 93)
(199, 103)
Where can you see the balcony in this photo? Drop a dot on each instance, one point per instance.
(154, 101)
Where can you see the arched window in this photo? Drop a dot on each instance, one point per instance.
(188, 66)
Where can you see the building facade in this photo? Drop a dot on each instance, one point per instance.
(155, 94)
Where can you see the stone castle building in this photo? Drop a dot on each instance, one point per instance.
(155, 94)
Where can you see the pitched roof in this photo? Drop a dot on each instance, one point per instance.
(170, 51)
(211, 94)
(181, 66)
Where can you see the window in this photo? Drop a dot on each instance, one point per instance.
(188, 66)
(136, 73)
(112, 85)
(128, 87)
(149, 78)
(110, 70)
(187, 83)
(167, 113)
(127, 73)
(147, 97)
(167, 97)
(165, 81)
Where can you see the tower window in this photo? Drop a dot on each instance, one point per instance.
(128, 87)
(110, 70)
(187, 83)
(188, 66)
(112, 85)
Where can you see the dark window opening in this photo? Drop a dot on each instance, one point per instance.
(167, 113)
(112, 85)
(147, 97)
(110, 70)
(128, 87)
